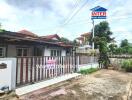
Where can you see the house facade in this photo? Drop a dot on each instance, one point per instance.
(25, 43)
(84, 46)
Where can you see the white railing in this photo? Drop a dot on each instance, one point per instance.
(87, 51)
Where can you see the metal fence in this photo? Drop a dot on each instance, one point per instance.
(34, 69)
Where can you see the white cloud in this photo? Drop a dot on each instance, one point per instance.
(122, 33)
(61, 7)
(47, 19)
(8, 17)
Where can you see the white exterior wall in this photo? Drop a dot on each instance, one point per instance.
(47, 52)
(63, 52)
(8, 75)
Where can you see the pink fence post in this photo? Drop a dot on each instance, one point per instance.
(16, 71)
(26, 70)
(45, 70)
(39, 69)
(21, 72)
(35, 69)
(31, 69)
(42, 68)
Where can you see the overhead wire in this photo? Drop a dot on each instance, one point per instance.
(72, 16)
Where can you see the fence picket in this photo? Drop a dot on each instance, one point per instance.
(21, 72)
(31, 69)
(42, 68)
(27, 70)
(35, 60)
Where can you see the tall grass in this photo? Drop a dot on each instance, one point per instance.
(127, 65)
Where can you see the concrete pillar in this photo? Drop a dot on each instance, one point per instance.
(8, 73)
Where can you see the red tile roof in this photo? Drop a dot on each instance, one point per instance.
(80, 38)
(64, 45)
(27, 33)
(86, 34)
(50, 36)
(31, 36)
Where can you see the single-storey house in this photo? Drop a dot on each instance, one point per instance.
(25, 43)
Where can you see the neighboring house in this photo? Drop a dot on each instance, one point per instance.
(84, 44)
(25, 43)
(84, 39)
(62, 50)
(80, 40)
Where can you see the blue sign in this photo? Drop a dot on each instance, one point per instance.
(98, 13)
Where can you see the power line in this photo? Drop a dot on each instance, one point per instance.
(71, 17)
(75, 13)
(76, 4)
(85, 21)
(73, 10)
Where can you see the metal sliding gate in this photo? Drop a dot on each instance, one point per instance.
(34, 69)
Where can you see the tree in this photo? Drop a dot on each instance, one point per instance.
(102, 38)
(1, 30)
(130, 50)
(125, 48)
(112, 48)
(124, 43)
(65, 40)
(103, 49)
(75, 43)
(118, 50)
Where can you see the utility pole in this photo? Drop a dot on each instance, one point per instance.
(92, 58)
(93, 35)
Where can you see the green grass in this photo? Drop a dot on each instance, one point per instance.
(88, 71)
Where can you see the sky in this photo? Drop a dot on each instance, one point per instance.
(67, 18)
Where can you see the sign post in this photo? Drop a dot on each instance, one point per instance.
(97, 13)
(93, 34)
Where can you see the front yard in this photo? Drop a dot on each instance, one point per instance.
(101, 85)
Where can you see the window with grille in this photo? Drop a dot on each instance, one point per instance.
(55, 53)
(2, 51)
(38, 51)
(22, 52)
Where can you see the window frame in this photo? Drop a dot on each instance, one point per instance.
(22, 48)
(3, 52)
(55, 52)
(38, 51)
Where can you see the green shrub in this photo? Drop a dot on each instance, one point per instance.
(127, 65)
(88, 71)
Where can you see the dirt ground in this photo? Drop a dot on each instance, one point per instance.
(101, 85)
